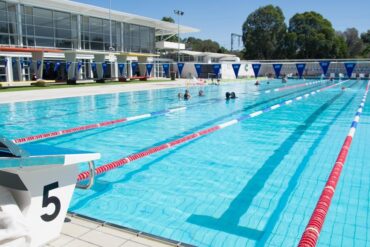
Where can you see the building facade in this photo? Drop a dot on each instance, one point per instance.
(38, 35)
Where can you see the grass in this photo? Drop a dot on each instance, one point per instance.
(93, 84)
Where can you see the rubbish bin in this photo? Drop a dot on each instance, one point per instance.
(173, 76)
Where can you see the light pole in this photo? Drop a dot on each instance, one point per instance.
(178, 13)
(111, 48)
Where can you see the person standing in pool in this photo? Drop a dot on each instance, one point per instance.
(187, 95)
(227, 95)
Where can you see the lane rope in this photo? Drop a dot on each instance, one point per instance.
(121, 162)
(312, 232)
(69, 131)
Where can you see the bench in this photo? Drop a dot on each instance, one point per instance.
(141, 78)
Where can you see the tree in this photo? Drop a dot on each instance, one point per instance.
(169, 38)
(365, 37)
(340, 47)
(207, 45)
(264, 32)
(168, 19)
(354, 43)
(316, 38)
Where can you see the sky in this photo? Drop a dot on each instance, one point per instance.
(217, 19)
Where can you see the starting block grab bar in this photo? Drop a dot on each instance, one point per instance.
(91, 178)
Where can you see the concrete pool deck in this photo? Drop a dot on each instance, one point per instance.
(56, 93)
(68, 92)
(81, 232)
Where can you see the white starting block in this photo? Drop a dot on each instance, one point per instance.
(36, 187)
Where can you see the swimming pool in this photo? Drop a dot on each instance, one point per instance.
(252, 184)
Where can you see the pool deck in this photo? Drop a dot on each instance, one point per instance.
(55, 93)
(58, 93)
(82, 232)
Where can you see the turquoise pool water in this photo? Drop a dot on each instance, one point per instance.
(252, 184)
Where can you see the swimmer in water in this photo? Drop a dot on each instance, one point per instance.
(201, 93)
(179, 95)
(187, 95)
(233, 95)
(227, 95)
(257, 83)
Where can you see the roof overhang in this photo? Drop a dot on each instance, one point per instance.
(206, 54)
(161, 27)
(25, 49)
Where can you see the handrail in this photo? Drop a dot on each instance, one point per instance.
(92, 177)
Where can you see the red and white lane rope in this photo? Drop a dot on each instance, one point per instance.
(136, 156)
(289, 87)
(59, 133)
(313, 229)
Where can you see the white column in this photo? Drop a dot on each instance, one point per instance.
(142, 66)
(38, 56)
(123, 59)
(9, 69)
(99, 59)
(71, 57)
(90, 71)
(21, 71)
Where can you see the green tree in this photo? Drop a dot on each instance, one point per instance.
(354, 42)
(365, 37)
(207, 45)
(168, 19)
(169, 38)
(264, 33)
(316, 38)
(340, 47)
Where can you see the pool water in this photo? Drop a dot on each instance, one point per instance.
(255, 183)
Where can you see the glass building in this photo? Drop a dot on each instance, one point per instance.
(62, 25)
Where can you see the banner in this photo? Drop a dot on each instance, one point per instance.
(38, 64)
(79, 65)
(149, 68)
(256, 69)
(180, 67)
(5, 62)
(93, 66)
(134, 67)
(105, 67)
(300, 69)
(349, 68)
(236, 67)
(324, 66)
(121, 66)
(29, 62)
(166, 69)
(198, 68)
(277, 69)
(68, 64)
(56, 67)
(22, 62)
(216, 69)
